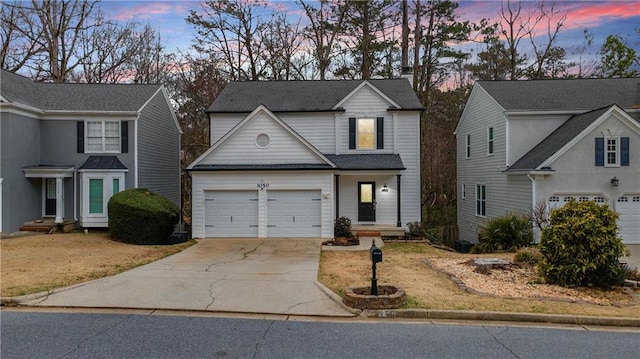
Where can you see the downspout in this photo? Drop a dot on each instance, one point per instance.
(533, 204)
(337, 196)
(399, 222)
(75, 196)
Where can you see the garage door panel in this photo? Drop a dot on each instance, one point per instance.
(294, 213)
(628, 208)
(231, 214)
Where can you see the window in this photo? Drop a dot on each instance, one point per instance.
(481, 200)
(468, 145)
(612, 151)
(490, 141)
(116, 185)
(103, 136)
(366, 134)
(554, 199)
(95, 196)
(464, 191)
(583, 199)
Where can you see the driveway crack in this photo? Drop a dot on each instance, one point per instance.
(213, 298)
(246, 255)
(499, 342)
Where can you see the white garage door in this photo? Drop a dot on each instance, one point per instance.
(629, 221)
(558, 201)
(231, 213)
(294, 214)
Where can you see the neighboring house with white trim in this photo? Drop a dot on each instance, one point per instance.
(520, 143)
(289, 157)
(66, 148)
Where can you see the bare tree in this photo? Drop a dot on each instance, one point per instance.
(231, 31)
(549, 59)
(16, 49)
(326, 25)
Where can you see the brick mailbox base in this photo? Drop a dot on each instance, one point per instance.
(389, 297)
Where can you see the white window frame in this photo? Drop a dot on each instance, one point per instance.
(615, 151)
(490, 141)
(374, 144)
(467, 151)
(102, 136)
(480, 210)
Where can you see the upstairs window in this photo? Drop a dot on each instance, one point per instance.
(366, 133)
(468, 146)
(490, 141)
(612, 151)
(102, 136)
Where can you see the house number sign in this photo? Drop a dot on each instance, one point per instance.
(262, 185)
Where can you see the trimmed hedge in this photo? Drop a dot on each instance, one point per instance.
(581, 247)
(139, 216)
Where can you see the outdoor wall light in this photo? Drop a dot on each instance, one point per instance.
(385, 188)
(615, 181)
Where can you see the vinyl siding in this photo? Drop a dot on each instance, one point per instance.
(158, 149)
(311, 180)
(526, 131)
(241, 148)
(19, 146)
(481, 113)
(408, 146)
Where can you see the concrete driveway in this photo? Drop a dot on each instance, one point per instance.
(275, 276)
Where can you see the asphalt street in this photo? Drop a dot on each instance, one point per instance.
(85, 335)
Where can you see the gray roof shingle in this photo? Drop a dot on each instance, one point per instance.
(367, 161)
(74, 96)
(556, 140)
(304, 96)
(564, 94)
(102, 163)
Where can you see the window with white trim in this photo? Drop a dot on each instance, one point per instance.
(481, 200)
(102, 136)
(366, 132)
(489, 141)
(612, 152)
(468, 146)
(464, 191)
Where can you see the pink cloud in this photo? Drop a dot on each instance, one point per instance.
(594, 14)
(147, 10)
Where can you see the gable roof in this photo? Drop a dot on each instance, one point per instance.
(564, 94)
(102, 163)
(51, 96)
(558, 139)
(305, 96)
(238, 128)
(372, 161)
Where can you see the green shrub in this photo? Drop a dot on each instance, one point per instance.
(581, 246)
(418, 230)
(528, 255)
(504, 233)
(140, 216)
(342, 228)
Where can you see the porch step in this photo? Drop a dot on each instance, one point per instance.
(368, 234)
(47, 225)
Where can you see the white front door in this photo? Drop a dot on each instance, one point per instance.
(294, 213)
(231, 213)
(629, 220)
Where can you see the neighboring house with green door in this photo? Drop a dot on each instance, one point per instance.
(66, 148)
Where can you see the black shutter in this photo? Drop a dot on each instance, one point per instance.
(352, 133)
(80, 136)
(624, 151)
(124, 136)
(599, 151)
(380, 132)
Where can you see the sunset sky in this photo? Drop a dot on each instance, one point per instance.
(601, 17)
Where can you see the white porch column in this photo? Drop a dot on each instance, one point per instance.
(59, 202)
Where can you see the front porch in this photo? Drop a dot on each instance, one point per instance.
(48, 225)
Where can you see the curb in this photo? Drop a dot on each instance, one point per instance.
(503, 316)
(338, 299)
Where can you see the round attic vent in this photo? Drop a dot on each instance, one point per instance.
(262, 140)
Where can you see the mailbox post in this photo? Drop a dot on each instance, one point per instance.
(376, 257)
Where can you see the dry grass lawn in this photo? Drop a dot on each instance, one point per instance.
(403, 265)
(43, 262)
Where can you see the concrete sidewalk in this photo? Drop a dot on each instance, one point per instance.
(274, 276)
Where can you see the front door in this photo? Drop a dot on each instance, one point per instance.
(366, 202)
(50, 197)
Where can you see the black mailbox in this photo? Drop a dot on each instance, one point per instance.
(376, 254)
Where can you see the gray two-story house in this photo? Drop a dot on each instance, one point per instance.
(66, 148)
(523, 144)
(288, 157)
